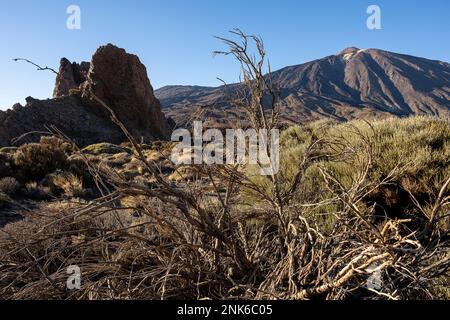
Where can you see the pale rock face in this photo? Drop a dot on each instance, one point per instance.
(350, 53)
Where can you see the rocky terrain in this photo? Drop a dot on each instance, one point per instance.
(352, 84)
(117, 78)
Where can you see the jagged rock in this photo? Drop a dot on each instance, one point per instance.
(116, 77)
(120, 80)
(71, 76)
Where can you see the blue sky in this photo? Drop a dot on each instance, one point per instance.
(174, 38)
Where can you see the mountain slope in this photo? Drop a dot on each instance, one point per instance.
(352, 84)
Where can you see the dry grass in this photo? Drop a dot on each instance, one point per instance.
(70, 184)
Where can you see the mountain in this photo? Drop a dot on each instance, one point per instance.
(352, 84)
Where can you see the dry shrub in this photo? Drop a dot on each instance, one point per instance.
(35, 160)
(9, 186)
(70, 184)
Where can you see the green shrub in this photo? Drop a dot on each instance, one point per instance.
(105, 148)
(35, 160)
(416, 148)
(420, 146)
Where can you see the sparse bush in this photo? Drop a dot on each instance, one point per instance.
(54, 142)
(416, 150)
(35, 160)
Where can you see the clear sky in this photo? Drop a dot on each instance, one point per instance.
(174, 38)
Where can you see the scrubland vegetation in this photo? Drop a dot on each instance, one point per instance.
(348, 197)
(358, 210)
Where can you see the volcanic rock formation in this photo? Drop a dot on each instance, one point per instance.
(117, 78)
(70, 77)
(120, 80)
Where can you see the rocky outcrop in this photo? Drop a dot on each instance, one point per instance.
(121, 81)
(66, 113)
(70, 77)
(116, 77)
